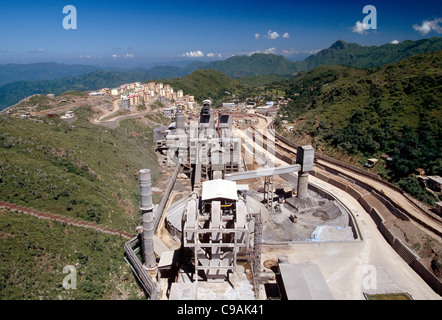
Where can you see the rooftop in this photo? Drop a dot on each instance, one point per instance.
(219, 188)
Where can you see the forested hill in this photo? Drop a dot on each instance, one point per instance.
(395, 109)
(355, 55)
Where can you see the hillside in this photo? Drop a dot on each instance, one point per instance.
(34, 253)
(77, 170)
(395, 109)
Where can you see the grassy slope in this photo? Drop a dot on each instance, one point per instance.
(33, 253)
(81, 171)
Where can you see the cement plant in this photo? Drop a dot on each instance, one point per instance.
(248, 215)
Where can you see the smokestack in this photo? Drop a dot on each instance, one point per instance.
(145, 190)
(146, 208)
(148, 247)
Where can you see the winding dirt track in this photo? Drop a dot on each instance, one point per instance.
(62, 219)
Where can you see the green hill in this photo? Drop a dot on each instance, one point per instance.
(355, 55)
(34, 253)
(394, 109)
(82, 171)
(255, 65)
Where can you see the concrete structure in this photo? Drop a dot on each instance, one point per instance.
(146, 208)
(134, 99)
(304, 157)
(218, 231)
(170, 112)
(125, 103)
(303, 281)
(438, 208)
(68, 115)
(435, 183)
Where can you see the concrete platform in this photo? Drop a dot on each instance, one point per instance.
(304, 281)
(242, 290)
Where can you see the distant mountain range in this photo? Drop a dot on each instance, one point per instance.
(41, 71)
(20, 81)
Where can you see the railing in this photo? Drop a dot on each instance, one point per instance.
(151, 288)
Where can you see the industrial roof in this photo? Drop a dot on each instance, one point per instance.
(304, 281)
(219, 188)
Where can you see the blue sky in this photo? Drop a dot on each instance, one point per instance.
(138, 33)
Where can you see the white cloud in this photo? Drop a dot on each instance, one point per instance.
(269, 50)
(272, 35)
(193, 54)
(360, 27)
(290, 52)
(286, 35)
(394, 42)
(213, 55)
(257, 36)
(127, 55)
(85, 57)
(429, 25)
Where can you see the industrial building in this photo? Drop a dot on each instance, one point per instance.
(219, 221)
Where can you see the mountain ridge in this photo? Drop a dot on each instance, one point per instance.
(257, 64)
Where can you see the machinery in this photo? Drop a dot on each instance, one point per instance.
(217, 225)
